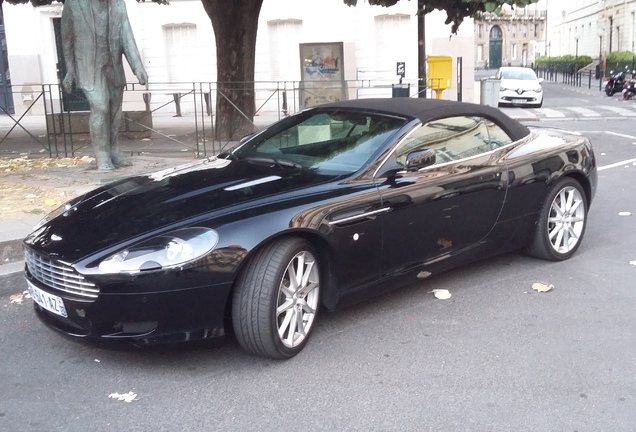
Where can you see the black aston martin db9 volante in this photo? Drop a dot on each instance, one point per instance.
(326, 207)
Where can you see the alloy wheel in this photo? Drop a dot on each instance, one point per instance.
(566, 221)
(297, 299)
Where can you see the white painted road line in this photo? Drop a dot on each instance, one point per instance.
(617, 164)
(548, 112)
(621, 135)
(585, 112)
(618, 110)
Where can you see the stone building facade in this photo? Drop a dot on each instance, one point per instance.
(512, 37)
(593, 28)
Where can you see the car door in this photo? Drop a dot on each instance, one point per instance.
(445, 208)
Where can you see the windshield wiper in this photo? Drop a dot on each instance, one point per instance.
(281, 163)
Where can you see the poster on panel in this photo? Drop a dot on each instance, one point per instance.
(322, 73)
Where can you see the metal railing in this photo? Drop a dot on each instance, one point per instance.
(579, 78)
(159, 110)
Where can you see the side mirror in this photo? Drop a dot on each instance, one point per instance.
(419, 159)
(540, 80)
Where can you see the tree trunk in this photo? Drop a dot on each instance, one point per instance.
(235, 25)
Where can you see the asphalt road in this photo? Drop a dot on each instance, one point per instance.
(497, 356)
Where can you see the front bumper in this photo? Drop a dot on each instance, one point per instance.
(182, 314)
(510, 97)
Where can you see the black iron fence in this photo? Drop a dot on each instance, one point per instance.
(587, 78)
(179, 115)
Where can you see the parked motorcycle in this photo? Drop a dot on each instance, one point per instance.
(615, 83)
(629, 88)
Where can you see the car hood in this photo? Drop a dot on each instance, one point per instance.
(132, 207)
(514, 84)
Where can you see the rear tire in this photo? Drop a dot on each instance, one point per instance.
(276, 299)
(561, 224)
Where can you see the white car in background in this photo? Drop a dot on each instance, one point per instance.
(519, 86)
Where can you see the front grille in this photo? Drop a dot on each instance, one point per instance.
(59, 276)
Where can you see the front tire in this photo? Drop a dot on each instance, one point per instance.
(561, 224)
(276, 299)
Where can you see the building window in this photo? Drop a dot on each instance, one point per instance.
(389, 43)
(480, 53)
(182, 53)
(513, 54)
(284, 36)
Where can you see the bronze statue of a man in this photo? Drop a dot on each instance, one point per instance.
(95, 36)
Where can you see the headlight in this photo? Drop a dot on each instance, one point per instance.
(538, 89)
(164, 251)
(504, 88)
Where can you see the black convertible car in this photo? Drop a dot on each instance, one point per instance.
(329, 206)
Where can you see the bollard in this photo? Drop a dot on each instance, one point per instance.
(177, 103)
(208, 108)
(147, 97)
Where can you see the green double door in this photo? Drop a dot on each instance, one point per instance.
(495, 46)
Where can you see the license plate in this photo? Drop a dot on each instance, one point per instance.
(50, 302)
(519, 101)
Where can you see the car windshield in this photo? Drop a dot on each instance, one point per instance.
(336, 141)
(518, 74)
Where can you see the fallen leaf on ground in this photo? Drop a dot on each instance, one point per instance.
(441, 294)
(625, 213)
(17, 298)
(542, 287)
(126, 397)
(52, 203)
(632, 262)
(23, 163)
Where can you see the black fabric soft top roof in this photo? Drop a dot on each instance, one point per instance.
(431, 109)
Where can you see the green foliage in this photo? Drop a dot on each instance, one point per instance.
(566, 63)
(456, 10)
(620, 57)
(620, 60)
